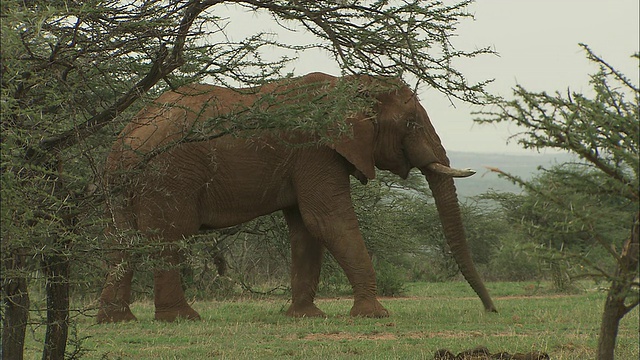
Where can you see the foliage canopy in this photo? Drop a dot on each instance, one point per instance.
(588, 202)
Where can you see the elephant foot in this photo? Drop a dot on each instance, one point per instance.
(169, 315)
(304, 310)
(368, 308)
(114, 314)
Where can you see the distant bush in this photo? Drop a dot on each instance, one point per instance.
(333, 281)
(390, 279)
(514, 260)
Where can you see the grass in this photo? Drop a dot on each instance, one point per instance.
(430, 317)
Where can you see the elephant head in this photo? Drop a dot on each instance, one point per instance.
(401, 137)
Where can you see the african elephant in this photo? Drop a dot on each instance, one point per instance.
(173, 186)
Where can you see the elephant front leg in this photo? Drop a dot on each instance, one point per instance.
(355, 261)
(328, 214)
(344, 241)
(306, 261)
(116, 296)
(169, 299)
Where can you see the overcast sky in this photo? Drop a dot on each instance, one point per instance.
(537, 42)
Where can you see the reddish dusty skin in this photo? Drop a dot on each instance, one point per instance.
(170, 188)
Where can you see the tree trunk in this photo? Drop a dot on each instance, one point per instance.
(16, 309)
(614, 307)
(56, 269)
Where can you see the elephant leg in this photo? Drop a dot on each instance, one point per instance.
(324, 201)
(116, 294)
(306, 261)
(169, 299)
(350, 252)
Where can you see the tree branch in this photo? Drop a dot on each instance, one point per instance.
(163, 65)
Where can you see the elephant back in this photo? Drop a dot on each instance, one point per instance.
(167, 121)
(196, 111)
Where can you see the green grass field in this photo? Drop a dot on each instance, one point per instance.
(429, 317)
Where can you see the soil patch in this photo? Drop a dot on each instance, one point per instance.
(349, 336)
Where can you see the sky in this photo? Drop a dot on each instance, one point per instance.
(537, 42)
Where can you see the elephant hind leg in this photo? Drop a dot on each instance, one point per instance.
(170, 302)
(169, 299)
(115, 299)
(164, 221)
(116, 295)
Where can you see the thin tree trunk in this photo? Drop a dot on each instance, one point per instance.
(16, 309)
(56, 269)
(613, 312)
(615, 308)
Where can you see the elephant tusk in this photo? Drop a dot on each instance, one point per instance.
(445, 170)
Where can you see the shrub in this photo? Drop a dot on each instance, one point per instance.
(390, 279)
(515, 261)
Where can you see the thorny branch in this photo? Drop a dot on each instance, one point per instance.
(163, 64)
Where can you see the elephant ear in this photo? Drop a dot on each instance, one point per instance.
(358, 147)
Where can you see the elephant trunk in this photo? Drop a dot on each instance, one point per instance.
(444, 193)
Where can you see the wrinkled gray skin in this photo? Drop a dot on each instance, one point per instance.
(225, 181)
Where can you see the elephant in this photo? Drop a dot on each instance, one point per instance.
(172, 186)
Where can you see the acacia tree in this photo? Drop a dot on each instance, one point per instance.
(603, 132)
(72, 70)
